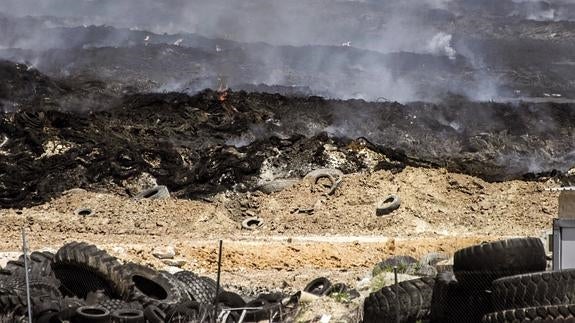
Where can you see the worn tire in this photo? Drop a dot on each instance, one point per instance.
(534, 290)
(91, 314)
(414, 302)
(441, 297)
(198, 288)
(118, 304)
(83, 268)
(480, 265)
(542, 314)
(151, 287)
(154, 193)
(318, 286)
(389, 204)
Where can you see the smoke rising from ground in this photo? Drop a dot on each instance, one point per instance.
(385, 27)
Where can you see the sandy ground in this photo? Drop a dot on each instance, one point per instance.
(342, 239)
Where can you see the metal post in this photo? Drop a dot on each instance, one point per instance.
(25, 252)
(218, 279)
(396, 294)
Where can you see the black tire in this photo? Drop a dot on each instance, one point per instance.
(480, 265)
(230, 299)
(154, 314)
(263, 314)
(389, 204)
(414, 302)
(198, 288)
(441, 297)
(83, 268)
(17, 305)
(318, 286)
(128, 316)
(150, 287)
(91, 314)
(542, 314)
(454, 303)
(118, 304)
(534, 290)
(154, 193)
(252, 223)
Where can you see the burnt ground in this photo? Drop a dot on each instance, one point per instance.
(215, 141)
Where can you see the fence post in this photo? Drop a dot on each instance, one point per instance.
(218, 280)
(25, 252)
(396, 294)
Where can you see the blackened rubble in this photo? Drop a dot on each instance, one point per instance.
(198, 145)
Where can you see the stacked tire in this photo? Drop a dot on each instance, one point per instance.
(479, 288)
(81, 283)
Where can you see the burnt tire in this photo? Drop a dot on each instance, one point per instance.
(534, 290)
(151, 287)
(541, 314)
(414, 302)
(317, 286)
(199, 289)
(480, 265)
(83, 268)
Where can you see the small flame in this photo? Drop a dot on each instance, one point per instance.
(222, 90)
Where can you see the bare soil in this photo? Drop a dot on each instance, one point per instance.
(342, 239)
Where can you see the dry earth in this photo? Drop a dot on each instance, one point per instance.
(342, 239)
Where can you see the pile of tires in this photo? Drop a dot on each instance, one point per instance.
(81, 283)
(501, 281)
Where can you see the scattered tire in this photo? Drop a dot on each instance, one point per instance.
(414, 302)
(154, 193)
(128, 316)
(481, 264)
(252, 223)
(543, 314)
(91, 314)
(388, 205)
(83, 268)
(198, 288)
(335, 176)
(534, 290)
(318, 286)
(150, 287)
(84, 211)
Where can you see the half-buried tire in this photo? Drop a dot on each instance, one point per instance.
(83, 268)
(151, 287)
(414, 302)
(480, 265)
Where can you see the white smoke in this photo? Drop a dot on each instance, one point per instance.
(440, 44)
